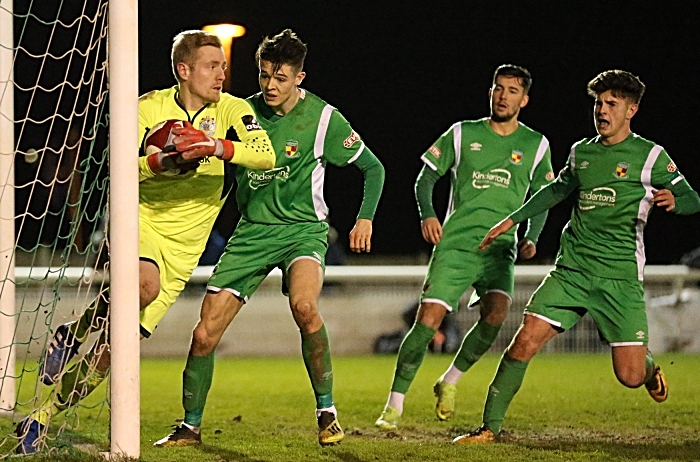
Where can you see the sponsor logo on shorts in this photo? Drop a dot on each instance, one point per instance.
(549, 176)
(258, 178)
(435, 151)
(208, 125)
(250, 123)
(475, 147)
(496, 177)
(597, 197)
(621, 169)
(671, 167)
(516, 157)
(291, 149)
(352, 139)
(640, 334)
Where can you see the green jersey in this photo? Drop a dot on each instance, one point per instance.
(490, 176)
(614, 186)
(312, 134)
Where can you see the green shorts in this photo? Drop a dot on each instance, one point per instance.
(452, 271)
(255, 249)
(616, 305)
(175, 262)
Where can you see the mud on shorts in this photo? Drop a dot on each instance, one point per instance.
(616, 305)
(255, 249)
(452, 271)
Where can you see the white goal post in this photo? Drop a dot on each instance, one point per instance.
(123, 237)
(72, 37)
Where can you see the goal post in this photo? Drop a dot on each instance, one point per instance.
(68, 141)
(7, 213)
(124, 239)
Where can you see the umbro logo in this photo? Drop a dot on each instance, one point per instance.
(584, 165)
(475, 147)
(640, 334)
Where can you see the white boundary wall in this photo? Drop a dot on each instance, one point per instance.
(359, 303)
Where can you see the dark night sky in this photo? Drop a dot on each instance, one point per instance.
(403, 75)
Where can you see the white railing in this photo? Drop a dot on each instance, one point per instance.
(676, 274)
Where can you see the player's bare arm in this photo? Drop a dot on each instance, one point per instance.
(664, 198)
(361, 236)
(501, 227)
(431, 230)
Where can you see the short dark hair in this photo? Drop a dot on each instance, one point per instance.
(519, 72)
(622, 84)
(187, 43)
(283, 48)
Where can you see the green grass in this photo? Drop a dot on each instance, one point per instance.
(570, 408)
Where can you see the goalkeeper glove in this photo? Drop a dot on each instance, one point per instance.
(169, 163)
(193, 144)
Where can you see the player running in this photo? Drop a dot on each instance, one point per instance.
(493, 162)
(282, 225)
(617, 177)
(179, 199)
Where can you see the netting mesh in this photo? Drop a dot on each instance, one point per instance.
(58, 78)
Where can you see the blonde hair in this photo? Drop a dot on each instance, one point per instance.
(186, 44)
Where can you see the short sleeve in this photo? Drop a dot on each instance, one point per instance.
(542, 173)
(342, 144)
(664, 173)
(440, 156)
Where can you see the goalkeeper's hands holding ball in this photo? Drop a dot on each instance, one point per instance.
(195, 144)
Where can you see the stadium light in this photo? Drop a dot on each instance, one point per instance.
(226, 32)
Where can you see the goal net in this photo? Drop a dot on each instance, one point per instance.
(54, 190)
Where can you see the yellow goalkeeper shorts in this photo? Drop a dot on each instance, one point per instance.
(175, 262)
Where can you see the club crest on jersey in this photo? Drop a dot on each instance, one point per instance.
(291, 149)
(435, 151)
(549, 176)
(671, 167)
(208, 125)
(516, 157)
(621, 169)
(352, 139)
(475, 147)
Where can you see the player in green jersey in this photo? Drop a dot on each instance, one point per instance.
(178, 204)
(617, 176)
(492, 162)
(282, 225)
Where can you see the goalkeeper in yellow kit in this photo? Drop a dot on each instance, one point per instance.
(180, 196)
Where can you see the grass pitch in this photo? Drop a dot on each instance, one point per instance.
(570, 408)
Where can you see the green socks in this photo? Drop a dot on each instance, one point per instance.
(650, 367)
(503, 388)
(477, 342)
(411, 356)
(196, 382)
(93, 318)
(84, 376)
(316, 351)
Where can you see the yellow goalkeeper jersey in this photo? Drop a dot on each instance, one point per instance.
(184, 207)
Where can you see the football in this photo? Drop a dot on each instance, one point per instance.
(160, 139)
